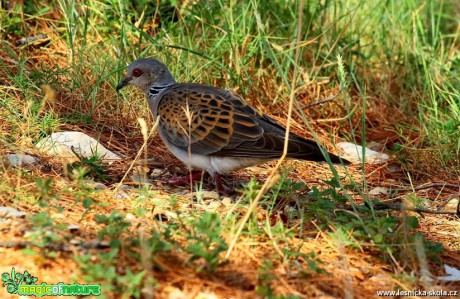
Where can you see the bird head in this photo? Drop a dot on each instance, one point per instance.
(145, 72)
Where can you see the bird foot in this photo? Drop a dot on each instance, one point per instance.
(186, 179)
(197, 177)
(221, 189)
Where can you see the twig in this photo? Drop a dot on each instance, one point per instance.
(42, 38)
(56, 246)
(431, 185)
(326, 100)
(399, 206)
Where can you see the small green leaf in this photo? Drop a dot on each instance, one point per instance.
(87, 203)
(412, 222)
(378, 238)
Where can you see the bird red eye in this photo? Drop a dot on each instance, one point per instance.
(137, 72)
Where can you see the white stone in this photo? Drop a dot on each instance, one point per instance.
(73, 228)
(9, 212)
(60, 145)
(58, 216)
(203, 195)
(14, 160)
(121, 194)
(452, 204)
(156, 172)
(227, 201)
(353, 152)
(453, 274)
(130, 217)
(379, 191)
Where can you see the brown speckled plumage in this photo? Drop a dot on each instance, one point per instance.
(214, 124)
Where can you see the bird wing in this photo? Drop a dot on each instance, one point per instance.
(212, 121)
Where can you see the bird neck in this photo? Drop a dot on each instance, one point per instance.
(156, 88)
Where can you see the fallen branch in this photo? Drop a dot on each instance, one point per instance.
(431, 185)
(41, 38)
(55, 246)
(400, 206)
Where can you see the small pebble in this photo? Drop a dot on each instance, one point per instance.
(130, 216)
(121, 195)
(96, 185)
(205, 195)
(156, 172)
(394, 168)
(18, 160)
(141, 179)
(227, 201)
(73, 228)
(381, 280)
(75, 242)
(58, 216)
(353, 152)
(452, 204)
(214, 205)
(379, 191)
(8, 212)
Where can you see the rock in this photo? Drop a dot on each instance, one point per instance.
(227, 201)
(14, 160)
(453, 274)
(9, 212)
(75, 242)
(73, 228)
(206, 295)
(141, 179)
(213, 206)
(175, 293)
(130, 217)
(202, 195)
(452, 204)
(123, 187)
(156, 172)
(354, 153)
(381, 280)
(58, 216)
(379, 191)
(60, 145)
(121, 194)
(99, 186)
(394, 168)
(95, 185)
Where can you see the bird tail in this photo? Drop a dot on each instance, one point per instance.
(308, 150)
(338, 160)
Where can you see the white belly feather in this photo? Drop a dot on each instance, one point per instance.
(212, 164)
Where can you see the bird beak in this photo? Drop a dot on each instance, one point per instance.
(124, 83)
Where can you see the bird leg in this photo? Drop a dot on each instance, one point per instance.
(220, 187)
(197, 176)
(187, 179)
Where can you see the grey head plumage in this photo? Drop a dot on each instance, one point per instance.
(145, 72)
